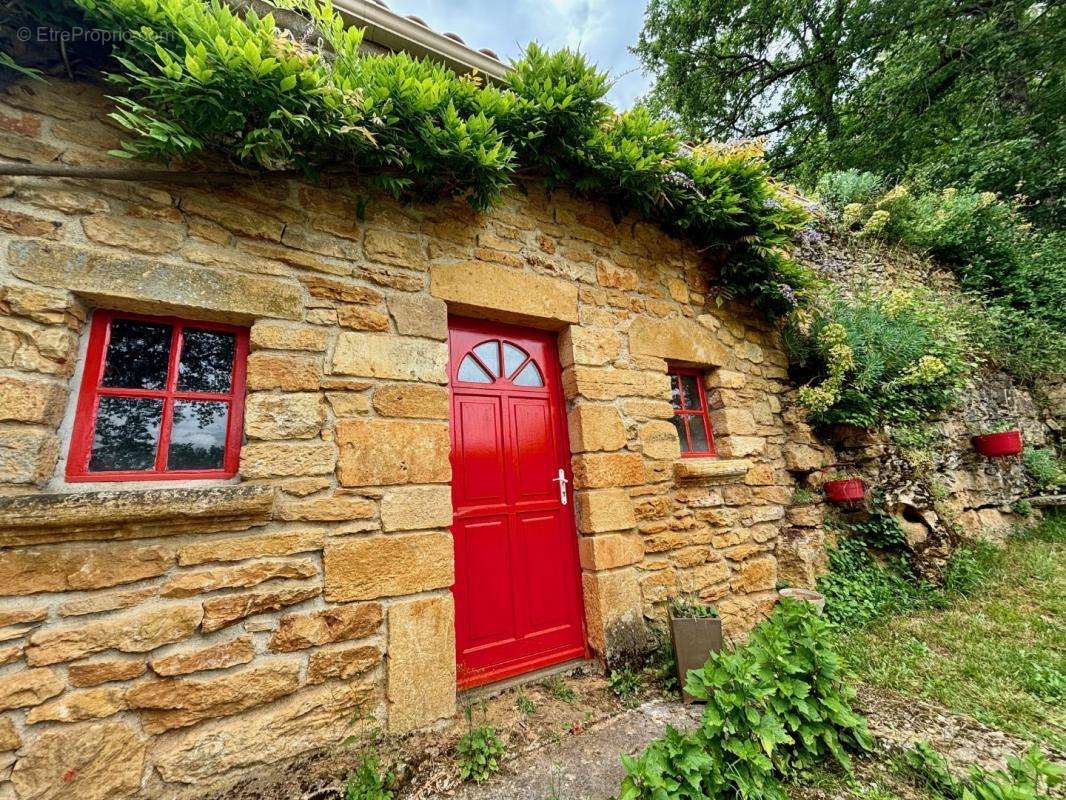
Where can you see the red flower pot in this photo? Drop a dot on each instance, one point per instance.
(849, 490)
(994, 445)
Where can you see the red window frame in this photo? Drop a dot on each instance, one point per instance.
(687, 450)
(91, 391)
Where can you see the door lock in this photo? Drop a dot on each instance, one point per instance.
(562, 486)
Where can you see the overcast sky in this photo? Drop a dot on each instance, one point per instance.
(602, 29)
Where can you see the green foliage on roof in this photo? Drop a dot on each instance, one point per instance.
(196, 77)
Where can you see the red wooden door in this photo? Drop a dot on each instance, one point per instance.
(517, 583)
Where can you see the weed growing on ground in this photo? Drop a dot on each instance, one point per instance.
(559, 689)
(1026, 778)
(525, 704)
(624, 684)
(369, 781)
(479, 752)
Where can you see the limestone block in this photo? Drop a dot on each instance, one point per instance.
(803, 458)
(697, 580)
(595, 426)
(733, 421)
(155, 285)
(336, 624)
(420, 685)
(289, 372)
(90, 762)
(222, 611)
(579, 344)
(217, 656)
(609, 383)
(660, 440)
(272, 335)
(309, 720)
(287, 459)
(284, 416)
(169, 703)
(596, 470)
(419, 315)
(26, 399)
(703, 468)
(610, 551)
(84, 674)
(361, 318)
(118, 514)
(341, 663)
(300, 540)
(105, 701)
(9, 738)
(348, 404)
(603, 510)
(388, 566)
(57, 569)
(130, 233)
(238, 576)
(383, 355)
(613, 608)
(756, 575)
(383, 452)
(27, 455)
(394, 248)
(28, 687)
(336, 507)
(412, 400)
(676, 339)
(496, 292)
(414, 507)
(136, 631)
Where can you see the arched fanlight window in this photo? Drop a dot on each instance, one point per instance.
(495, 360)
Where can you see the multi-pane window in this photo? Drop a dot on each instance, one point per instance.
(690, 412)
(161, 398)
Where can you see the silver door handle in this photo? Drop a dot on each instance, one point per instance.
(562, 486)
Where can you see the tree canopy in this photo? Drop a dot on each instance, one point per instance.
(967, 92)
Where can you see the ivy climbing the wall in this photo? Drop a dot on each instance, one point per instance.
(196, 77)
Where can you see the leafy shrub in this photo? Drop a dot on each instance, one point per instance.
(369, 782)
(887, 357)
(1028, 778)
(775, 707)
(859, 588)
(197, 76)
(1044, 469)
(880, 530)
(479, 752)
(839, 189)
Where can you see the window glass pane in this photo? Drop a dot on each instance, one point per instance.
(206, 361)
(198, 436)
(680, 425)
(489, 353)
(471, 372)
(137, 355)
(690, 392)
(675, 390)
(698, 431)
(512, 358)
(529, 376)
(126, 434)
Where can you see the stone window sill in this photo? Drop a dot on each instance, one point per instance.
(694, 469)
(126, 514)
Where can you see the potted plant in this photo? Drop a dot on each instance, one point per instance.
(844, 486)
(999, 440)
(696, 632)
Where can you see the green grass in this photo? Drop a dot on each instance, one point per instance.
(997, 655)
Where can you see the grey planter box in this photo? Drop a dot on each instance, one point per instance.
(694, 638)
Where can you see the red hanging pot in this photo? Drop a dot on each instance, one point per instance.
(994, 445)
(849, 490)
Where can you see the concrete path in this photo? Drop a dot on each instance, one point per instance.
(585, 767)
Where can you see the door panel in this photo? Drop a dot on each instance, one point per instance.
(518, 588)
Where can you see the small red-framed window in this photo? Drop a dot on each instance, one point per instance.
(690, 412)
(161, 399)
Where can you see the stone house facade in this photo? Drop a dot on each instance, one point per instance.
(237, 452)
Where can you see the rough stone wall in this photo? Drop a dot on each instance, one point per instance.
(156, 640)
(948, 491)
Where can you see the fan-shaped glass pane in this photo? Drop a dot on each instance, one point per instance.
(472, 372)
(489, 353)
(512, 358)
(529, 376)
